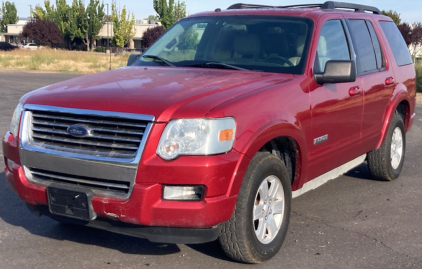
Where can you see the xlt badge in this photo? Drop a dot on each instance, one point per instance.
(320, 139)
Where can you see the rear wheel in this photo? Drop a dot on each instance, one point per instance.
(260, 221)
(386, 162)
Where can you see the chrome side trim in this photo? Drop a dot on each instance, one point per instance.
(336, 172)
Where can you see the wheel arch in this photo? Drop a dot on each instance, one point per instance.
(273, 137)
(400, 103)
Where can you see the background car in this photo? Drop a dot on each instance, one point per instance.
(32, 46)
(7, 46)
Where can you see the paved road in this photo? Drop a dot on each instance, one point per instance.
(351, 222)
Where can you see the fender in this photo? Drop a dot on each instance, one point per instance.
(400, 94)
(259, 138)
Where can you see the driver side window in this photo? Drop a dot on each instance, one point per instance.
(332, 45)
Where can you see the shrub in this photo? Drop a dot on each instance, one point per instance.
(99, 49)
(152, 34)
(418, 68)
(43, 32)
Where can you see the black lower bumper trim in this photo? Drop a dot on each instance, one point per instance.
(167, 235)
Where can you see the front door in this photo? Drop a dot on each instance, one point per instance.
(336, 108)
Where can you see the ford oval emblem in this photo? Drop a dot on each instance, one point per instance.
(78, 131)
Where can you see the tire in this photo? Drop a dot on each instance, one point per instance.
(386, 162)
(239, 236)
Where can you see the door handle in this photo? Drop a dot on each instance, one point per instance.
(355, 91)
(389, 81)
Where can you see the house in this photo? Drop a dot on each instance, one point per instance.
(13, 32)
(140, 27)
(416, 52)
(106, 33)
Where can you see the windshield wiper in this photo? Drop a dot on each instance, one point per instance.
(217, 65)
(158, 58)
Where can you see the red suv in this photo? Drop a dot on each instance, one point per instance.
(218, 125)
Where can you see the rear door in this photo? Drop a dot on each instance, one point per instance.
(377, 79)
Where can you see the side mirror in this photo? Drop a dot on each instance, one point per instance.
(132, 59)
(337, 72)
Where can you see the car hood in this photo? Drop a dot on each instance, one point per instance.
(163, 92)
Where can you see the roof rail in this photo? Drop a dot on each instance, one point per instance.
(355, 7)
(326, 5)
(246, 6)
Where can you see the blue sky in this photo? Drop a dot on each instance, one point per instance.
(410, 10)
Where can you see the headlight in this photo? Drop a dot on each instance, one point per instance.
(196, 137)
(14, 124)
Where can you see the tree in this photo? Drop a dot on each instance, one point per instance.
(169, 13)
(416, 40)
(44, 32)
(77, 23)
(152, 18)
(189, 39)
(165, 12)
(123, 23)
(95, 17)
(179, 11)
(38, 13)
(406, 32)
(152, 34)
(393, 15)
(9, 15)
(60, 16)
(73, 21)
(412, 35)
(48, 14)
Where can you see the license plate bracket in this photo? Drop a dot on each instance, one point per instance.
(70, 202)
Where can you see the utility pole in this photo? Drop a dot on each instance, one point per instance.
(30, 12)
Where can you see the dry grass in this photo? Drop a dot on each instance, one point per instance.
(60, 60)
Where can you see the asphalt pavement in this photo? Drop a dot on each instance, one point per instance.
(350, 222)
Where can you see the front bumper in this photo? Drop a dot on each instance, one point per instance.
(167, 235)
(145, 205)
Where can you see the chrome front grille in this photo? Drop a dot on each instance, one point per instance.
(102, 187)
(105, 159)
(110, 136)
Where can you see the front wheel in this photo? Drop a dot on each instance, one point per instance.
(259, 224)
(386, 162)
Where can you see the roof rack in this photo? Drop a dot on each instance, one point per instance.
(246, 6)
(355, 7)
(326, 5)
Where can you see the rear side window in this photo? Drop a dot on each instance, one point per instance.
(397, 44)
(362, 42)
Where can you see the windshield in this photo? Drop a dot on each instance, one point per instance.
(259, 43)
